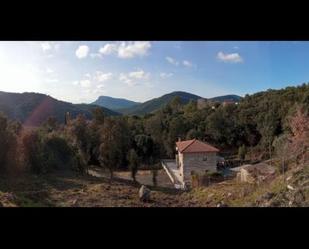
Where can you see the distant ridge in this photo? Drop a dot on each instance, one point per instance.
(223, 98)
(157, 103)
(114, 103)
(34, 108)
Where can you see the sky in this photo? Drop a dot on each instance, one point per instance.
(80, 71)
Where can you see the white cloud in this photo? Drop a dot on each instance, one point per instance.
(108, 49)
(82, 51)
(100, 86)
(132, 49)
(139, 75)
(231, 58)
(101, 77)
(85, 83)
(187, 63)
(125, 79)
(149, 85)
(130, 78)
(51, 80)
(236, 47)
(57, 46)
(48, 70)
(172, 61)
(125, 50)
(46, 46)
(166, 75)
(91, 81)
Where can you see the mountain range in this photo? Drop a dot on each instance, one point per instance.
(114, 103)
(33, 109)
(135, 108)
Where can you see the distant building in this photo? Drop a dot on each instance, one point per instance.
(228, 102)
(201, 103)
(192, 156)
(254, 173)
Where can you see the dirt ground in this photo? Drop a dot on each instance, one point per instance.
(143, 176)
(67, 189)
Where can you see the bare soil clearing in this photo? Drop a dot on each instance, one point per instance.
(70, 190)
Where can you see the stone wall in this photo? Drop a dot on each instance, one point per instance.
(195, 162)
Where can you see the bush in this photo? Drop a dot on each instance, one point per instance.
(8, 143)
(44, 153)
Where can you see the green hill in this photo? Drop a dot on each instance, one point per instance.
(34, 108)
(157, 103)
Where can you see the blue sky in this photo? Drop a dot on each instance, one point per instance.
(80, 71)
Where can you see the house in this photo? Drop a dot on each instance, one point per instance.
(192, 156)
(254, 173)
(201, 103)
(229, 102)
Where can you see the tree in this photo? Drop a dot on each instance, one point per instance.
(8, 144)
(175, 104)
(133, 163)
(282, 150)
(98, 115)
(299, 125)
(79, 134)
(144, 147)
(114, 144)
(242, 151)
(154, 177)
(51, 124)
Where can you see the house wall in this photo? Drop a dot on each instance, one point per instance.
(194, 162)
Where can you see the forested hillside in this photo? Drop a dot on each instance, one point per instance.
(34, 108)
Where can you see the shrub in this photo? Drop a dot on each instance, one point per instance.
(44, 153)
(8, 143)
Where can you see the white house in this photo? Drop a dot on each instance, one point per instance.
(192, 156)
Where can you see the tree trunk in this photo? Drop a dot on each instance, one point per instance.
(111, 174)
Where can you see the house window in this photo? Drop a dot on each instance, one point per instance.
(204, 158)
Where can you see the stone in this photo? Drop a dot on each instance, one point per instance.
(267, 196)
(222, 204)
(144, 193)
(290, 187)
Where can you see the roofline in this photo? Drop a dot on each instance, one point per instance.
(188, 145)
(193, 152)
(193, 140)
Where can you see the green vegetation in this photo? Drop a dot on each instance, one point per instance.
(271, 124)
(32, 109)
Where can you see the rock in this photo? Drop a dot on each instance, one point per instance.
(288, 178)
(267, 196)
(144, 193)
(222, 204)
(229, 194)
(210, 195)
(290, 187)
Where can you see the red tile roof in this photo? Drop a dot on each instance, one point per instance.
(194, 146)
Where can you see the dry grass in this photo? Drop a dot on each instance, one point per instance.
(69, 190)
